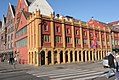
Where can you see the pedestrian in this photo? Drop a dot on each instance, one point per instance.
(111, 64)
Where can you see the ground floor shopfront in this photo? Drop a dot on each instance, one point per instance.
(48, 56)
(6, 55)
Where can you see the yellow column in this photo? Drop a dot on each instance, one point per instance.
(82, 56)
(73, 56)
(69, 57)
(58, 57)
(64, 60)
(81, 37)
(52, 55)
(95, 55)
(85, 56)
(30, 35)
(38, 24)
(100, 39)
(78, 56)
(88, 35)
(63, 33)
(46, 58)
(52, 31)
(38, 62)
(105, 40)
(73, 38)
(33, 25)
(89, 55)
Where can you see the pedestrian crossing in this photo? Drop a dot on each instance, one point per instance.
(67, 74)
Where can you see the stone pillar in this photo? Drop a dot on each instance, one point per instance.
(73, 38)
(63, 33)
(46, 58)
(78, 56)
(81, 37)
(88, 35)
(38, 62)
(52, 59)
(100, 39)
(105, 40)
(73, 56)
(85, 56)
(38, 24)
(95, 55)
(58, 57)
(89, 59)
(82, 56)
(52, 31)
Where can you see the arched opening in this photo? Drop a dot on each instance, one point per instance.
(87, 56)
(75, 55)
(91, 55)
(79, 55)
(83, 56)
(71, 56)
(102, 54)
(97, 55)
(32, 58)
(55, 57)
(29, 58)
(49, 57)
(61, 56)
(42, 57)
(66, 56)
(35, 58)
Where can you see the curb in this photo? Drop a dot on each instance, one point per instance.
(12, 70)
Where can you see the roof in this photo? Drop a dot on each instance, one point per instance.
(4, 18)
(113, 23)
(113, 28)
(29, 1)
(26, 14)
(13, 9)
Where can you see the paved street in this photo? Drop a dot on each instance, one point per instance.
(74, 71)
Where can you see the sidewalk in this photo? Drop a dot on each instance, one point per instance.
(6, 67)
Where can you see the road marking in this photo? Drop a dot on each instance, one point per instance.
(74, 74)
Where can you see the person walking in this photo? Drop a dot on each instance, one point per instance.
(111, 64)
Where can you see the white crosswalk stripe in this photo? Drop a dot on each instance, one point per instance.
(67, 74)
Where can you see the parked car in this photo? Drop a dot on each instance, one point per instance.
(105, 62)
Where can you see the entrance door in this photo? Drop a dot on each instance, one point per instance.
(42, 58)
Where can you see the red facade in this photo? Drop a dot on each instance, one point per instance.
(20, 23)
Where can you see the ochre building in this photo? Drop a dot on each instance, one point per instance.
(59, 40)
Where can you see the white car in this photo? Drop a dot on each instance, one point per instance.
(105, 62)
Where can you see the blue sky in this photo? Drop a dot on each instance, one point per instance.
(102, 10)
